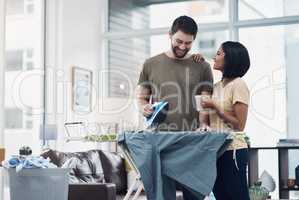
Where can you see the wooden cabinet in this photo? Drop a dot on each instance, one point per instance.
(283, 167)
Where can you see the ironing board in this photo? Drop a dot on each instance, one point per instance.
(127, 140)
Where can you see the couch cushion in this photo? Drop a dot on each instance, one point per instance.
(94, 166)
(114, 170)
(56, 157)
(85, 167)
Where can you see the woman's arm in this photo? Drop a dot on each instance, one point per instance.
(204, 119)
(237, 118)
(241, 112)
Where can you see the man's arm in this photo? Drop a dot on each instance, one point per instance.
(143, 98)
(143, 91)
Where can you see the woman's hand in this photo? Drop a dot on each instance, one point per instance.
(198, 58)
(208, 103)
(203, 127)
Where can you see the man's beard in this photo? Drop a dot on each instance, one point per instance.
(176, 53)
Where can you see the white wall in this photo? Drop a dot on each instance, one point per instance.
(293, 103)
(293, 93)
(73, 38)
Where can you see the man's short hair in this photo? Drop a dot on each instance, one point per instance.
(236, 59)
(185, 24)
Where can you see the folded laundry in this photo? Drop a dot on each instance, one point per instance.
(29, 162)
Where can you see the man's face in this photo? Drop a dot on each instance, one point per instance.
(181, 43)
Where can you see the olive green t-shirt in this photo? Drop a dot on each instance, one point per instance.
(177, 82)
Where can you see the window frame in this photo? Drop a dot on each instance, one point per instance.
(232, 25)
(27, 60)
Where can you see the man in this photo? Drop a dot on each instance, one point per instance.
(175, 77)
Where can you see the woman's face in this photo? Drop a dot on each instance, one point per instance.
(219, 60)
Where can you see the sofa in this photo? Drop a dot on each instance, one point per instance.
(94, 174)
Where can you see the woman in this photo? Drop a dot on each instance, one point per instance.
(228, 112)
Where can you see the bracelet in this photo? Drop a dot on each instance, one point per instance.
(221, 114)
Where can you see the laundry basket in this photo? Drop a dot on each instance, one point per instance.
(38, 184)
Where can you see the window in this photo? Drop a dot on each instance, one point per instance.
(14, 60)
(17, 119)
(204, 11)
(17, 60)
(126, 15)
(260, 9)
(267, 78)
(125, 56)
(13, 118)
(15, 7)
(207, 43)
(24, 90)
(30, 8)
(29, 59)
(20, 7)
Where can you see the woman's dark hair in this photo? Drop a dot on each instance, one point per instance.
(185, 24)
(236, 59)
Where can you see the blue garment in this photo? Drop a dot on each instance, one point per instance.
(28, 163)
(166, 157)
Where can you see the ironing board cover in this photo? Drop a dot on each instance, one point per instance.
(163, 158)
